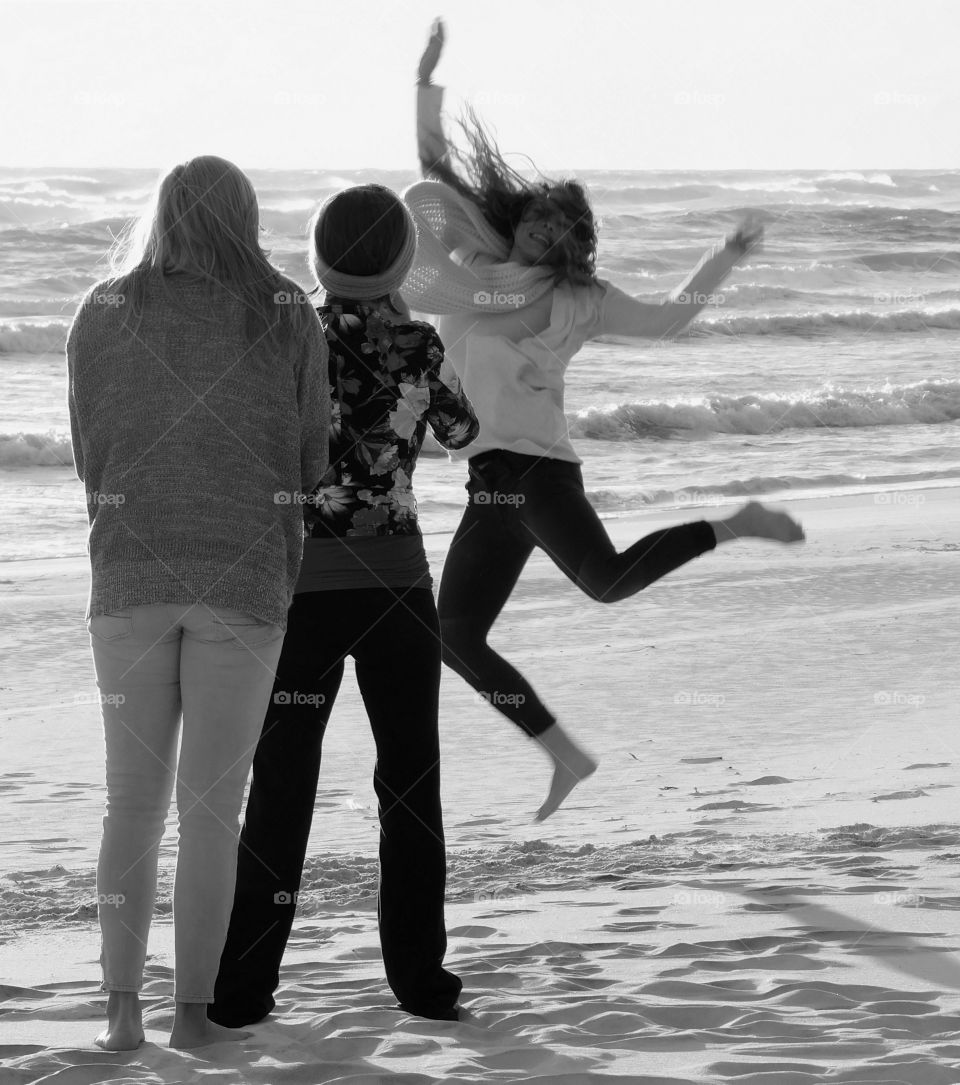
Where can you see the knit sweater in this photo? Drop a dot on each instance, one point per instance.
(194, 447)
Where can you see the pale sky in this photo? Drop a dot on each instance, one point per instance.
(608, 84)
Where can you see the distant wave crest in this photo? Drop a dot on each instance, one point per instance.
(923, 403)
(806, 325)
(51, 449)
(26, 338)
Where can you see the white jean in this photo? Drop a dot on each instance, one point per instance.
(155, 664)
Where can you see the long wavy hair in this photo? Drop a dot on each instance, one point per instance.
(203, 221)
(504, 196)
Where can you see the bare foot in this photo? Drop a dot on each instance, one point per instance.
(192, 1028)
(756, 521)
(124, 1031)
(571, 765)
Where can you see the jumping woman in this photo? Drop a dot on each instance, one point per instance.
(509, 266)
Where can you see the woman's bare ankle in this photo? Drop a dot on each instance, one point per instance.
(124, 1031)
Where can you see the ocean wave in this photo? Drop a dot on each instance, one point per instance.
(823, 322)
(31, 305)
(50, 449)
(945, 261)
(760, 485)
(33, 338)
(923, 403)
(98, 232)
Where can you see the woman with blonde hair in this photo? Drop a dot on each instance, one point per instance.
(199, 410)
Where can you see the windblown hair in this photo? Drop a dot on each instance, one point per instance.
(204, 221)
(503, 196)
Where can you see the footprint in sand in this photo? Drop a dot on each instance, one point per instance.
(734, 804)
(474, 931)
(915, 794)
(698, 760)
(929, 765)
(761, 780)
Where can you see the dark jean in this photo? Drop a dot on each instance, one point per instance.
(393, 636)
(517, 503)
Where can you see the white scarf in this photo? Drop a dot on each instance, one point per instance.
(440, 284)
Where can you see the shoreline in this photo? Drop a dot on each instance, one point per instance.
(825, 665)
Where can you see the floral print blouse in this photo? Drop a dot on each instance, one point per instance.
(385, 388)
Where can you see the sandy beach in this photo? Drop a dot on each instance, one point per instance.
(759, 885)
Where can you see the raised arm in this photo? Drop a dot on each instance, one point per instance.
(628, 316)
(432, 147)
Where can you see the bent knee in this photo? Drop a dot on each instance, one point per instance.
(600, 591)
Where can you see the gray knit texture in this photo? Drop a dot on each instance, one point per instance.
(193, 446)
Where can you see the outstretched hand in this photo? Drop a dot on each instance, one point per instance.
(431, 55)
(747, 236)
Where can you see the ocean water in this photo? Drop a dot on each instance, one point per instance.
(827, 364)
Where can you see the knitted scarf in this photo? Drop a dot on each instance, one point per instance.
(441, 284)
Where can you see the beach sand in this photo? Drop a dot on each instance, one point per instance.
(759, 885)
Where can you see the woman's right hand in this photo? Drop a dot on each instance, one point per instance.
(431, 55)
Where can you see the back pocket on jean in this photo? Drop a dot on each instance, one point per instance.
(245, 630)
(110, 626)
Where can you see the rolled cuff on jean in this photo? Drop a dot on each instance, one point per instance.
(706, 535)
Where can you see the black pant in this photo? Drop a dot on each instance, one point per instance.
(516, 503)
(394, 637)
